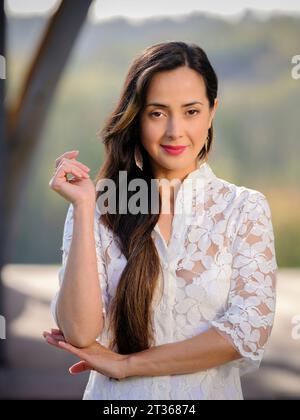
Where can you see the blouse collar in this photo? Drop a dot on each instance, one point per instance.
(189, 202)
(197, 179)
(192, 189)
(203, 171)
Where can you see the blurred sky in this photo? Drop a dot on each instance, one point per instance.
(137, 9)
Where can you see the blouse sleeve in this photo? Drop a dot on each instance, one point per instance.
(65, 248)
(248, 320)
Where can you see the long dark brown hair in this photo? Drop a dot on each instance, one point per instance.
(130, 309)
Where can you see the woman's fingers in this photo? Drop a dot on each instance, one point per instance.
(79, 367)
(74, 162)
(71, 156)
(58, 340)
(46, 333)
(53, 338)
(56, 331)
(51, 341)
(66, 167)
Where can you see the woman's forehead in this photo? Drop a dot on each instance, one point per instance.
(183, 83)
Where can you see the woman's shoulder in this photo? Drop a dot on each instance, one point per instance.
(237, 195)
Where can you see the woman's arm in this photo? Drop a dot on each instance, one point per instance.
(79, 304)
(199, 353)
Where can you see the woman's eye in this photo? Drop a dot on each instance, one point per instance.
(154, 114)
(193, 110)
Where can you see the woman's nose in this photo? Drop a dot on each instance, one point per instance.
(174, 128)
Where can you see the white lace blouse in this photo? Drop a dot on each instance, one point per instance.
(219, 271)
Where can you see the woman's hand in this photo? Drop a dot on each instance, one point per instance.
(95, 357)
(78, 189)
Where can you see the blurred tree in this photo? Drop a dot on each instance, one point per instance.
(21, 132)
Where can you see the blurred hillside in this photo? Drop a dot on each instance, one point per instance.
(256, 125)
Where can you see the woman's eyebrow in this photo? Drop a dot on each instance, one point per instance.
(168, 106)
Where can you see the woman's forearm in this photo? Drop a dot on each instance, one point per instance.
(79, 304)
(199, 353)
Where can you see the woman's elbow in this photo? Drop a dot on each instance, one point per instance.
(79, 340)
(79, 335)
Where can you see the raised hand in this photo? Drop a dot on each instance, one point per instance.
(80, 188)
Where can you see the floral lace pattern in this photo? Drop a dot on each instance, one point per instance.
(218, 271)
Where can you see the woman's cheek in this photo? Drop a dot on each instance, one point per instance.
(151, 135)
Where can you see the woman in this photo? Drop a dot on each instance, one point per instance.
(166, 304)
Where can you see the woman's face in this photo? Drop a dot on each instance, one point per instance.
(176, 113)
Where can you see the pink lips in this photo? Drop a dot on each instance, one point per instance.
(174, 150)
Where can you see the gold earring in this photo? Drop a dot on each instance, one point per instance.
(206, 147)
(205, 144)
(138, 157)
